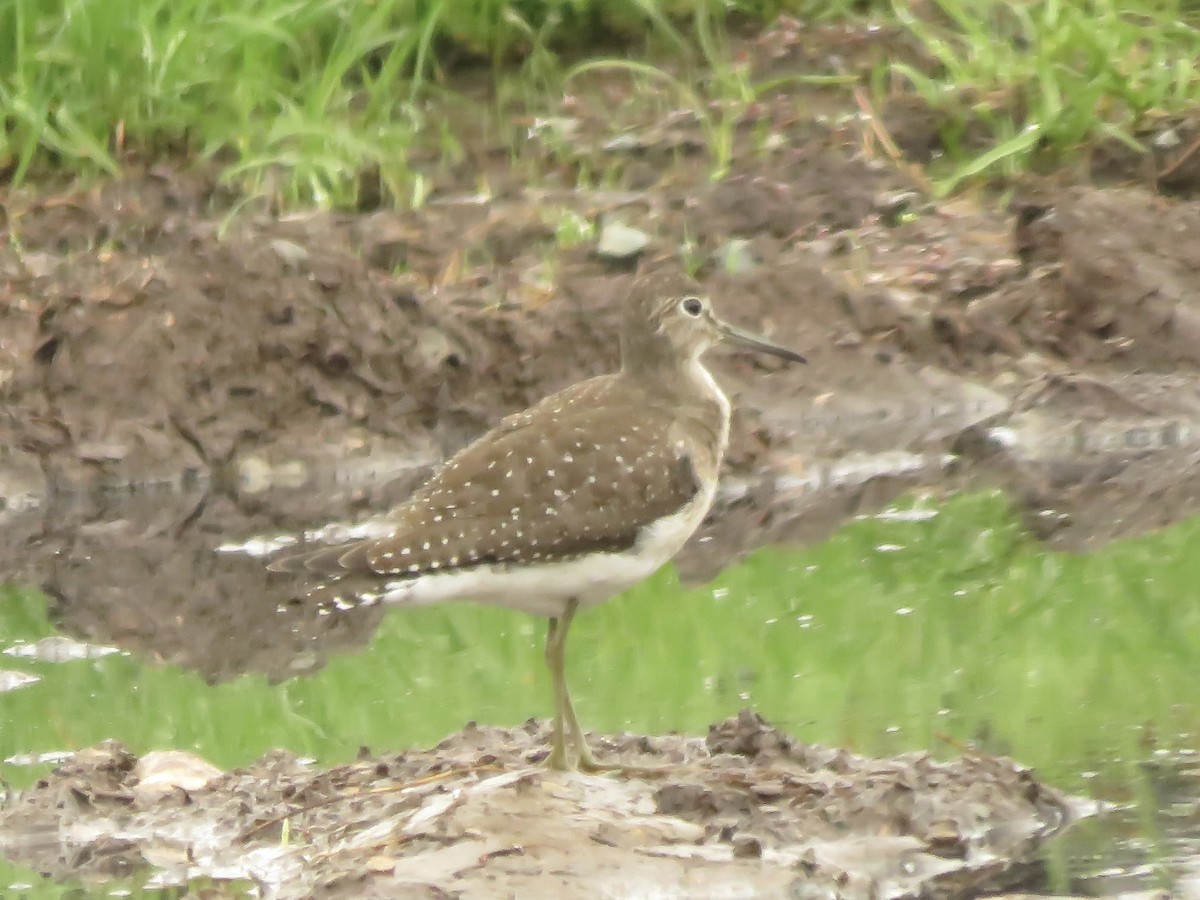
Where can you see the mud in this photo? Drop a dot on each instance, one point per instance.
(142, 345)
(146, 339)
(747, 810)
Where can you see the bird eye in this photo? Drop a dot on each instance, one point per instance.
(693, 306)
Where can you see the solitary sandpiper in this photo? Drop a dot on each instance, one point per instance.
(570, 502)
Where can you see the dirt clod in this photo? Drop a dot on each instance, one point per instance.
(439, 820)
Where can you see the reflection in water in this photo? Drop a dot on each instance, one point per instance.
(178, 578)
(181, 579)
(11, 680)
(150, 582)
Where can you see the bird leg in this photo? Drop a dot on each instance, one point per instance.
(583, 756)
(554, 662)
(564, 710)
(573, 741)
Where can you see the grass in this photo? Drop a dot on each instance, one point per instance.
(1019, 82)
(300, 91)
(298, 99)
(320, 102)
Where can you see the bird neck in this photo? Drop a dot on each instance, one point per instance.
(658, 367)
(681, 385)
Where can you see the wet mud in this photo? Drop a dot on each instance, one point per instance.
(147, 342)
(747, 811)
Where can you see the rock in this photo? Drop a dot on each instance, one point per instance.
(291, 253)
(162, 772)
(619, 242)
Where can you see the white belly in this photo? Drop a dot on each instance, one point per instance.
(543, 589)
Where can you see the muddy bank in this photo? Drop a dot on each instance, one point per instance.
(258, 376)
(747, 809)
(146, 341)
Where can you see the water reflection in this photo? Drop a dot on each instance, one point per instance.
(180, 578)
(145, 577)
(141, 570)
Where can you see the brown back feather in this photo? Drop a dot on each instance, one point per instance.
(575, 474)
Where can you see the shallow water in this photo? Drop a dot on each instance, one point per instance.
(931, 625)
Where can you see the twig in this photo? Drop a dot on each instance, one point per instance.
(916, 173)
(329, 801)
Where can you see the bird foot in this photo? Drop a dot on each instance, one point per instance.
(631, 769)
(581, 760)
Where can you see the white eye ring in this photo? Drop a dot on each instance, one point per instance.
(692, 306)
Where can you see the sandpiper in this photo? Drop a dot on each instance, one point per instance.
(570, 502)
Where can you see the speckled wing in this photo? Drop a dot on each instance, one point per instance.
(575, 474)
